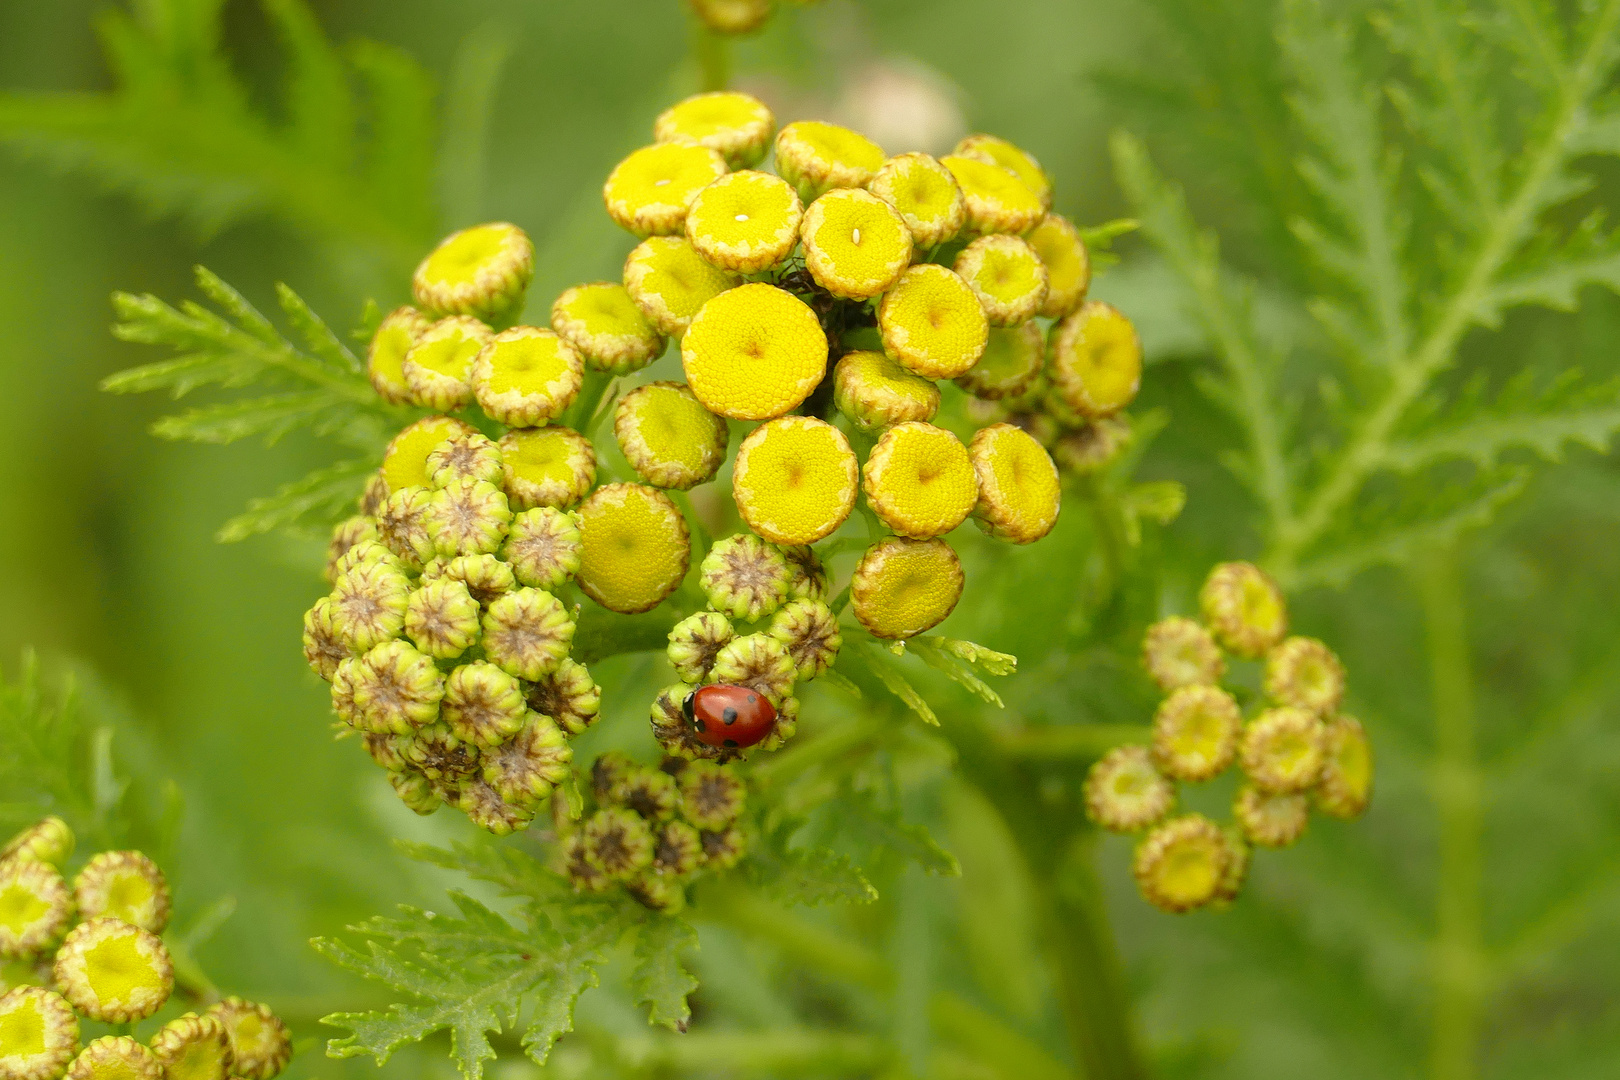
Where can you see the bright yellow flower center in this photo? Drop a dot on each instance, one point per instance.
(1096, 360)
(634, 547)
(1007, 276)
(1018, 162)
(997, 201)
(737, 125)
(925, 194)
(1019, 490)
(449, 347)
(671, 282)
(795, 480)
(668, 436)
(21, 907)
(555, 463)
(393, 340)
(201, 1059)
(130, 897)
(601, 319)
(405, 462)
(855, 244)
(1189, 869)
(529, 362)
(932, 323)
(22, 1029)
(649, 191)
(482, 270)
(920, 480)
(1068, 267)
(122, 972)
(816, 156)
(1352, 759)
(754, 353)
(463, 255)
(903, 587)
(745, 222)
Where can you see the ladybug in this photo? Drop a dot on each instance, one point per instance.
(728, 716)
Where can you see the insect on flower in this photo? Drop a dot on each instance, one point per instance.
(724, 715)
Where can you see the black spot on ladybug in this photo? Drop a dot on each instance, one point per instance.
(729, 715)
(731, 742)
(752, 699)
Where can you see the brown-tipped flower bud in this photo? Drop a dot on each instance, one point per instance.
(668, 437)
(724, 848)
(343, 692)
(469, 517)
(1195, 733)
(482, 271)
(363, 553)
(1282, 750)
(1095, 360)
(367, 605)
(441, 618)
(694, 643)
(578, 869)
(528, 633)
(395, 689)
(809, 580)
(387, 750)
(193, 1047)
(373, 495)
(604, 325)
(549, 466)
(808, 630)
(786, 726)
(36, 907)
(417, 792)
(1180, 865)
(542, 547)
(482, 704)
(757, 661)
(608, 772)
(114, 972)
(324, 647)
(1006, 275)
(1304, 673)
(486, 809)
(486, 577)
(874, 391)
(345, 536)
(903, 587)
(1347, 769)
(1179, 652)
(465, 456)
(402, 525)
(1010, 365)
(677, 849)
(526, 376)
(38, 1034)
(712, 797)
(649, 792)
(260, 1045)
(618, 842)
(568, 695)
(440, 754)
(524, 769)
(745, 577)
(1244, 608)
(395, 336)
(49, 840)
(113, 1057)
(1271, 819)
(123, 885)
(655, 890)
(1124, 792)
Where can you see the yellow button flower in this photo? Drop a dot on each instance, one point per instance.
(1068, 266)
(1345, 787)
(745, 222)
(855, 244)
(932, 323)
(754, 353)
(114, 972)
(124, 885)
(997, 201)
(260, 1046)
(1304, 673)
(902, 587)
(732, 16)
(1282, 749)
(670, 282)
(548, 466)
(1007, 277)
(649, 191)
(1195, 733)
(1179, 652)
(815, 157)
(526, 376)
(1243, 608)
(604, 325)
(874, 391)
(395, 336)
(635, 547)
(738, 126)
(38, 1034)
(668, 437)
(438, 368)
(1019, 491)
(36, 907)
(794, 480)
(1269, 819)
(1020, 163)
(1124, 792)
(1181, 864)
(926, 195)
(115, 1057)
(1010, 365)
(920, 480)
(193, 1047)
(1095, 360)
(482, 272)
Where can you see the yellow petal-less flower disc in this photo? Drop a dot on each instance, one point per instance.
(855, 244)
(124, 885)
(1007, 277)
(1020, 163)
(795, 480)
(635, 547)
(874, 391)
(815, 157)
(260, 1046)
(115, 1057)
(394, 337)
(932, 323)
(405, 460)
(438, 368)
(668, 437)
(548, 466)
(997, 201)
(1271, 819)
(1304, 673)
(902, 587)
(1068, 265)
(1243, 608)
(193, 1047)
(733, 16)
(604, 325)
(670, 282)
(1195, 733)
(738, 126)
(649, 191)
(114, 972)
(926, 195)
(1283, 749)
(1180, 865)
(482, 272)
(1347, 769)
(1019, 491)
(36, 907)
(1124, 792)
(920, 480)
(745, 221)
(1010, 365)
(38, 1034)
(754, 352)
(1095, 360)
(526, 376)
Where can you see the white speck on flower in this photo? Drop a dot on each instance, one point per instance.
(856, 237)
(742, 217)
(661, 183)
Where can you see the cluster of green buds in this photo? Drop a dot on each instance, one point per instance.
(1291, 744)
(653, 830)
(92, 950)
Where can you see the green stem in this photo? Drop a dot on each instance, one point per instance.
(713, 54)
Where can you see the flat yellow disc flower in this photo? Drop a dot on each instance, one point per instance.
(405, 460)
(649, 191)
(1345, 787)
(1095, 360)
(548, 466)
(123, 885)
(1068, 266)
(1270, 819)
(1282, 749)
(920, 480)
(1007, 277)
(193, 1047)
(926, 195)
(1019, 491)
(754, 353)
(482, 272)
(815, 157)
(438, 369)
(38, 1034)
(997, 201)
(36, 907)
(604, 325)
(1195, 733)
(1020, 163)
(855, 244)
(874, 391)
(670, 282)
(395, 336)
(1010, 364)
(1178, 652)
(1243, 608)
(114, 972)
(635, 547)
(260, 1046)
(902, 587)
(526, 376)
(932, 323)
(1124, 792)
(1181, 864)
(1304, 673)
(738, 126)
(795, 480)
(745, 221)
(115, 1057)
(668, 437)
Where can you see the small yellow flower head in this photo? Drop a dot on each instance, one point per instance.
(260, 1046)
(387, 750)
(712, 797)
(124, 885)
(113, 1057)
(1068, 265)
(580, 873)
(1124, 792)
(1006, 275)
(48, 840)
(1095, 360)
(568, 696)
(816, 157)
(324, 648)
(875, 391)
(603, 324)
(1195, 733)
(1282, 749)
(618, 842)
(1019, 494)
(1094, 446)
(486, 809)
(677, 849)
(668, 437)
(483, 704)
(395, 688)
(469, 517)
(653, 889)
(438, 369)
(396, 335)
(809, 581)
(724, 848)
(36, 907)
(745, 577)
(482, 272)
(902, 587)
(38, 1034)
(636, 547)
(997, 201)
(1304, 673)
(1179, 652)
(733, 16)
(1270, 819)
(526, 376)
(855, 244)
(794, 479)
(808, 630)
(1182, 864)
(347, 534)
(1347, 769)
(1010, 364)
(670, 282)
(438, 754)
(932, 323)
(441, 618)
(527, 633)
(405, 460)
(926, 195)
(367, 605)
(524, 769)
(193, 1047)
(695, 641)
(649, 191)
(549, 466)
(114, 972)
(486, 577)
(757, 661)
(745, 222)
(652, 793)
(542, 547)
(754, 352)
(990, 149)
(373, 494)
(920, 480)
(738, 126)
(1244, 608)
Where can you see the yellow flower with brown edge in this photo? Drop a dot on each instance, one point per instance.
(1124, 792)
(1195, 733)
(526, 376)
(1006, 275)
(1095, 360)
(38, 1034)
(1178, 651)
(670, 282)
(1271, 819)
(395, 336)
(36, 907)
(1019, 493)
(1345, 786)
(649, 192)
(604, 325)
(926, 196)
(438, 368)
(405, 459)
(1010, 364)
(1243, 608)
(932, 323)
(754, 353)
(193, 1047)
(115, 1057)
(903, 587)
(920, 480)
(549, 466)
(874, 391)
(997, 201)
(1182, 864)
(737, 126)
(260, 1046)
(668, 437)
(482, 272)
(1021, 163)
(114, 972)
(47, 840)
(634, 547)
(745, 222)
(795, 479)
(1304, 673)
(124, 885)
(1068, 265)
(816, 157)
(855, 244)
(1282, 749)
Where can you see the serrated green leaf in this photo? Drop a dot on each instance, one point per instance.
(804, 875)
(929, 651)
(271, 417)
(660, 980)
(1481, 430)
(884, 667)
(323, 497)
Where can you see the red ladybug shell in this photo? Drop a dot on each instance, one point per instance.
(729, 716)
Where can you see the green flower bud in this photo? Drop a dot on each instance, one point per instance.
(808, 630)
(193, 1047)
(712, 797)
(542, 547)
(482, 271)
(441, 618)
(367, 605)
(694, 641)
(1179, 652)
(482, 704)
(1244, 608)
(324, 647)
(1181, 864)
(402, 525)
(745, 577)
(38, 1034)
(396, 335)
(874, 391)
(486, 577)
(733, 16)
(759, 662)
(50, 841)
(114, 972)
(524, 769)
(604, 325)
(387, 750)
(1124, 792)
(618, 843)
(345, 536)
(659, 892)
(440, 754)
(365, 553)
(568, 696)
(114, 1057)
(1195, 733)
(396, 689)
(468, 518)
(1093, 447)
(373, 495)
(343, 692)
(649, 792)
(608, 772)
(36, 907)
(438, 369)
(1271, 819)
(123, 885)
(786, 726)
(1282, 750)
(528, 633)
(1347, 769)
(1010, 364)
(1238, 854)
(486, 809)
(465, 456)
(549, 466)
(809, 577)
(260, 1044)
(723, 848)
(668, 436)
(1304, 673)
(677, 849)
(674, 733)
(416, 791)
(578, 869)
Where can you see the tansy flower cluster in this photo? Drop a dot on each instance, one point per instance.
(92, 949)
(1293, 749)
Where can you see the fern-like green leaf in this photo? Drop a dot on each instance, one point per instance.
(798, 874)
(1481, 429)
(319, 499)
(660, 980)
(886, 669)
